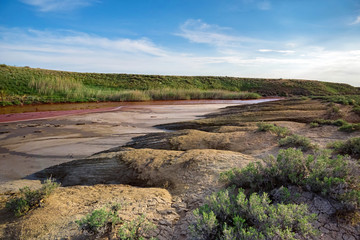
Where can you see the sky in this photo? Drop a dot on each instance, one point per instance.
(302, 39)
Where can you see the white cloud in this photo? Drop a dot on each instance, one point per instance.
(58, 5)
(276, 51)
(357, 21)
(76, 51)
(198, 31)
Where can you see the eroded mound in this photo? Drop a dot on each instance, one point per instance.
(56, 219)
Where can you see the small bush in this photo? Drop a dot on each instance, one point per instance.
(269, 127)
(227, 215)
(136, 229)
(350, 127)
(314, 124)
(350, 147)
(98, 222)
(297, 141)
(30, 199)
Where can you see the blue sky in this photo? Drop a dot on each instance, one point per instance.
(304, 39)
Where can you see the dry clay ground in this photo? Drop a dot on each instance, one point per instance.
(167, 175)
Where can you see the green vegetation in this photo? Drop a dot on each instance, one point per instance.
(320, 173)
(353, 100)
(136, 229)
(102, 221)
(350, 147)
(269, 127)
(227, 215)
(342, 124)
(20, 85)
(298, 141)
(30, 199)
(245, 210)
(98, 222)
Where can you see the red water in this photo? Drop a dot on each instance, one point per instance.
(44, 111)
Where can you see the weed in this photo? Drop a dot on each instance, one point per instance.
(30, 199)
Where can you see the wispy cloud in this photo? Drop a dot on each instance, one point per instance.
(58, 5)
(77, 51)
(276, 51)
(356, 21)
(198, 31)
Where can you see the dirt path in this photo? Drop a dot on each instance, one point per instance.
(29, 146)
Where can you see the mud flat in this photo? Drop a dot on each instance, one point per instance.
(76, 131)
(164, 172)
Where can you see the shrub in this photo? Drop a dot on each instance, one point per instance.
(269, 127)
(314, 124)
(297, 141)
(98, 222)
(227, 215)
(136, 229)
(30, 199)
(350, 127)
(318, 173)
(350, 147)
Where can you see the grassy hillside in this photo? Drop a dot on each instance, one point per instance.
(27, 85)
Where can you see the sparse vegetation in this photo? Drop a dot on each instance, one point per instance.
(98, 222)
(231, 215)
(320, 173)
(30, 199)
(136, 229)
(297, 141)
(350, 147)
(102, 221)
(353, 100)
(269, 127)
(342, 124)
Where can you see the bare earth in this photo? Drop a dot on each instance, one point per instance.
(164, 174)
(29, 146)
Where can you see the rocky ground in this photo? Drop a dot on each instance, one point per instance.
(167, 175)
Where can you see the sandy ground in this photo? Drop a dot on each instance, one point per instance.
(29, 146)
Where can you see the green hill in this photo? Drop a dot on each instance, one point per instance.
(28, 85)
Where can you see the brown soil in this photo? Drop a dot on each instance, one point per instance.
(170, 173)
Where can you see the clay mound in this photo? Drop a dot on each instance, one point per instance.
(56, 219)
(175, 170)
